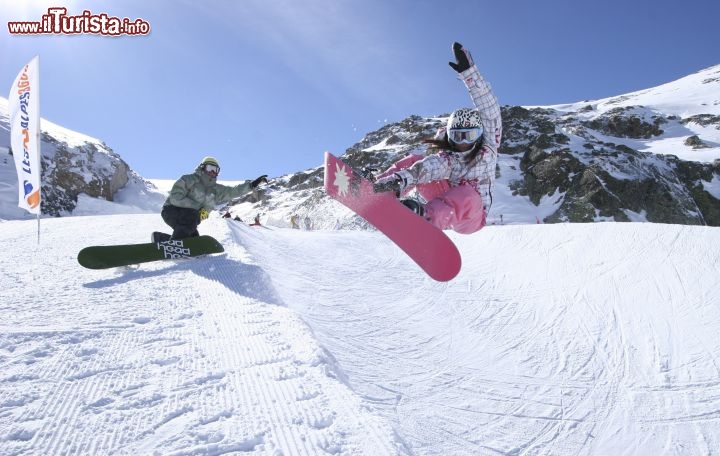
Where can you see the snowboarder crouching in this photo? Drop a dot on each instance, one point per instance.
(455, 183)
(194, 195)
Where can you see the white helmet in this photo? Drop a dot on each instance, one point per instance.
(464, 118)
(464, 126)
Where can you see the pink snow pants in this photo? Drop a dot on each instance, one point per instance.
(459, 208)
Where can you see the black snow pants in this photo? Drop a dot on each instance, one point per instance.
(184, 221)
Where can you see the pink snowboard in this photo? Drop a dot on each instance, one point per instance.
(428, 246)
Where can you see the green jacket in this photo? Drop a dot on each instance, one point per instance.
(198, 190)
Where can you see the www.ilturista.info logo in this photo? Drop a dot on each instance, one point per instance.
(57, 22)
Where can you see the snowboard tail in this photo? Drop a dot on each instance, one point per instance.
(424, 243)
(111, 256)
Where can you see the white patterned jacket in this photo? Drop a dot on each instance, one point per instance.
(451, 165)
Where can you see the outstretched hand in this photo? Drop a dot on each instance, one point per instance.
(204, 214)
(260, 180)
(463, 59)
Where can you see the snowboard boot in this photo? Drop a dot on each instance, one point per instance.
(414, 206)
(157, 236)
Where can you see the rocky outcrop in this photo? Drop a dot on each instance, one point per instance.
(603, 180)
(67, 172)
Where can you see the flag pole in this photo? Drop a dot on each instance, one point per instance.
(39, 155)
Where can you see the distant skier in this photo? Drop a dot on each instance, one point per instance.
(455, 182)
(193, 196)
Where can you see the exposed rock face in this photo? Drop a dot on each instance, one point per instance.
(94, 170)
(625, 123)
(603, 180)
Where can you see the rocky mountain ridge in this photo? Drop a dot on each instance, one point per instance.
(604, 160)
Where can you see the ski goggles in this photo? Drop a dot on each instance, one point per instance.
(464, 135)
(212, 169)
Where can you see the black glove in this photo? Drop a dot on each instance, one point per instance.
(369, 173)
(260, 180)
(462, 57)
(393, 183)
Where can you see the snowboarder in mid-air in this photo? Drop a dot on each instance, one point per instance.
(455, 183)
(194, 195)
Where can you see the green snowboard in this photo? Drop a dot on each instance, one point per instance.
(112, 256)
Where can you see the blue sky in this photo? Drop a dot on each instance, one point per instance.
(267, 86)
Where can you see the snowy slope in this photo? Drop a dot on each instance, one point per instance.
(554, 339)
(692, 95)
(193, 357)
(559, 339)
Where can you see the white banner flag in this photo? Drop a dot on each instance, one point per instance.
(24, 101)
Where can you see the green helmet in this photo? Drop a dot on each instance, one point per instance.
(209, 161)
